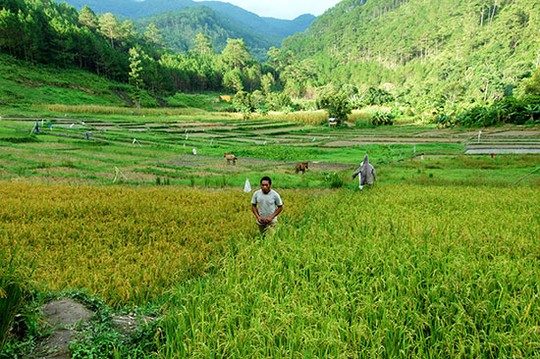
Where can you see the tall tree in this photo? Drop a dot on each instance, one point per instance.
(236, 55)
(203, 45)
(88, 18)
(135, 73)
(109, 27)
(153, 35)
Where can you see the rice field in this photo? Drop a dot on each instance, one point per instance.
(394, 271)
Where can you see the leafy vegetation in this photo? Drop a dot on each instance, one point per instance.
(14, 275)
(425, 53)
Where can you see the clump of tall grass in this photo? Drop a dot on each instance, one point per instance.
(318, 117)
(116, 110)
(333, 179)
(13, 289)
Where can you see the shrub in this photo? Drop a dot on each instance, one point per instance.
(383, 118)
(278, 101)
(334, 179)
(337, 105)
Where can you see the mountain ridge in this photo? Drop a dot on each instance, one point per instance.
(263, 32)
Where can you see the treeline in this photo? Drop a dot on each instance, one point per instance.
(452, 62)
(42, 31)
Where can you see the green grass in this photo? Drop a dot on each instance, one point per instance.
(164, 148)
(22, 86)
(14, 289)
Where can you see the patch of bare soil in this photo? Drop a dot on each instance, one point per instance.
(250, 163)
(62, 316)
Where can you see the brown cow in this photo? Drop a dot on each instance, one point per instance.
(302, 166)
(230, 158)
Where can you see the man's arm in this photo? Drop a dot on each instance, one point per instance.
(275, 214)
(256, 213)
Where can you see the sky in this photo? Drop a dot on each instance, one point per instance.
(283, 9)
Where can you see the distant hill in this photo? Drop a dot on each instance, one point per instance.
(179, 29)
(433, 50)
(217, 19)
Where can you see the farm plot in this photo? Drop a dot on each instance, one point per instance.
(146, 152)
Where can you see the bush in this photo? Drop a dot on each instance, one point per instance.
(383, 118)
(337, 105)
(376, 96)
(334, 179)
(510, 109)
(278, 101)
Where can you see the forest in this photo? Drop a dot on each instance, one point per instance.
(469, 63)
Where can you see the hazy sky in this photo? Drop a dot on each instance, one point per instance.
(283, 9)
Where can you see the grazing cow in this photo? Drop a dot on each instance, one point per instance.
(302, 166)
(230, 158)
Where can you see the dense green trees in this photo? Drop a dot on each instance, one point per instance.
(336, 103)
(45, 32)
(441, 58)
(466, 51)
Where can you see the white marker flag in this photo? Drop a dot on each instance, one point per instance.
(247, 186)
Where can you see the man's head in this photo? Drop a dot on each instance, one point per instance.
(266, 184)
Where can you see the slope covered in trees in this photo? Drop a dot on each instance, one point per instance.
(425, 50)
(179, 19)
(59, 35)
(452, 62)
(179, 30)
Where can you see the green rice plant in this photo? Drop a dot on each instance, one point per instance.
(13, 288)
(333, 179)
(222, 182)
(392, 272)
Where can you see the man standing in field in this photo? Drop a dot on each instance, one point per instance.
(266, 205)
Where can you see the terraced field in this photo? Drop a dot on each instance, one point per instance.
(140, 150)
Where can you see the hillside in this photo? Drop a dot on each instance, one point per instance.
(179, 29)
(432, 50)
(179, 19)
